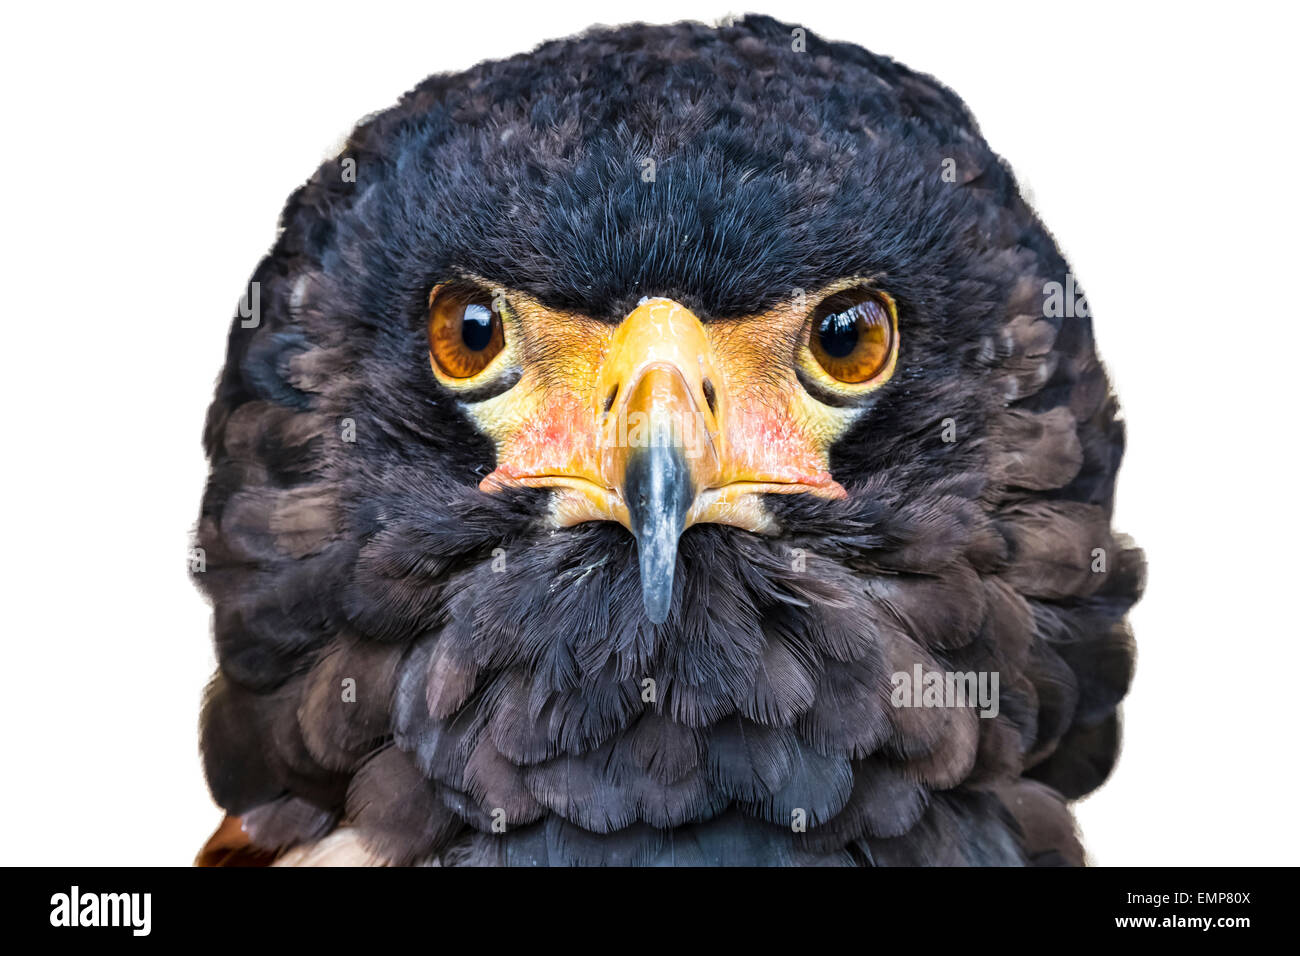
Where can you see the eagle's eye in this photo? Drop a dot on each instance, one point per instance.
(465, 330)
(853, 335)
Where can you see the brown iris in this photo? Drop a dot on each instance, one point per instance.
(852, 334)
(465, 330)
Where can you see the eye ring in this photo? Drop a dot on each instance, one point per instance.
(853, 336)
(465, 330)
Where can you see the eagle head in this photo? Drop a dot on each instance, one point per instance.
(626, 453)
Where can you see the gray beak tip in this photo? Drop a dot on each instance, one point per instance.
(659, 493)
(657, 604)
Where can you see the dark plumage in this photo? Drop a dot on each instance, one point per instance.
(521, 693)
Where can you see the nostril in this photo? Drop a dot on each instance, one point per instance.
(710, 397)
(609, 399)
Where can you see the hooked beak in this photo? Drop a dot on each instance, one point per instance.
(660, 435)
(658, 454)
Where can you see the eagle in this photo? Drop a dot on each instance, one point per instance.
(676, 446)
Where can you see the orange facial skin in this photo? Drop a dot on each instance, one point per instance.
(724, 394)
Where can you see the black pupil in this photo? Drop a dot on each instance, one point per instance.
(838, 333)
(476, 327)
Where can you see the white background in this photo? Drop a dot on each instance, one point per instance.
(147, 154)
